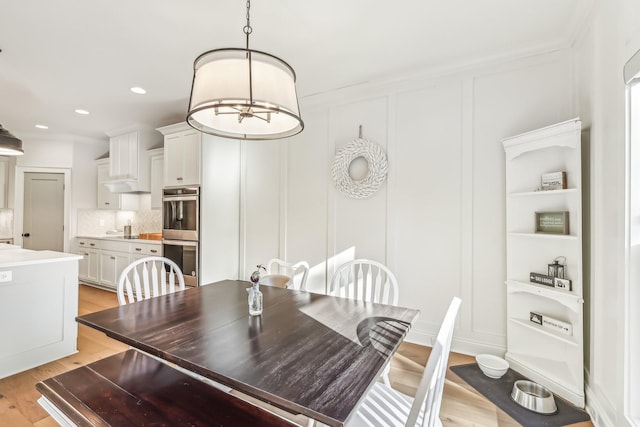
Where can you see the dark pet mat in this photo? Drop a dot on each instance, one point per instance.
(499, 392)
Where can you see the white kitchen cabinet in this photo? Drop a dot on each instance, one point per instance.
(38, 307)
(111, 266)
(89, 265)
(546, 346)
(104, 259)
(108, 200)
(123, 156)
(115, 255)
(129, 168)
(143, 250)
(156, 158)
(182, 155)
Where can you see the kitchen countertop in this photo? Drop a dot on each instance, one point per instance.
(15, 256)
(119, 238)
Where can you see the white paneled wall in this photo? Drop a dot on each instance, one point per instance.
(262, 192)
(425, 199)
(438, 222)
(307, 184)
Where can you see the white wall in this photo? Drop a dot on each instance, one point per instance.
(438, 222)
(601, 53)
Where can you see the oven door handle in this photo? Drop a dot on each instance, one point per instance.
(179, 198)
(179, 242)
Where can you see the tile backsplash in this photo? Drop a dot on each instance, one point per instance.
(99, 222)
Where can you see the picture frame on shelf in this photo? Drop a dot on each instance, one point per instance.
(552, 222)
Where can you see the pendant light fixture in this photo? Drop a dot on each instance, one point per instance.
(9, 144)
(244, 94)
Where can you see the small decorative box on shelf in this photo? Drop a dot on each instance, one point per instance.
(553, 181)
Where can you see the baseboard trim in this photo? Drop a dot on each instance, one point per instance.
(602, 412)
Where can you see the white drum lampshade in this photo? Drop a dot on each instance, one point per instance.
(244, 94)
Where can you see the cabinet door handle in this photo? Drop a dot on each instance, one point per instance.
(82, 243)
(86, 254)
(113, 257)
(138, 249)
(92, 244)
(106, 203)
(179, 178)
(153, 251)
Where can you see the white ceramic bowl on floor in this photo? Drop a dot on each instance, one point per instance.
(492, 366)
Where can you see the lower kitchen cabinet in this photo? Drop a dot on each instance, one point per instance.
(104, 259)
(111, 266)
(143, 250)
(89, 265)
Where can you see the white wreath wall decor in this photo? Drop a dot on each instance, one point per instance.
(376, 168)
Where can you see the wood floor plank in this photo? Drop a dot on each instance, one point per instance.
(10, 415)
(46, 422)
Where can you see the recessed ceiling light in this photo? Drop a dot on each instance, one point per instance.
(84, 112)
(138, 90)
(42, 127)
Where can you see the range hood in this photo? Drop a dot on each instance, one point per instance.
(124, 186)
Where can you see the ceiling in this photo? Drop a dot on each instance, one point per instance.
(62, 55)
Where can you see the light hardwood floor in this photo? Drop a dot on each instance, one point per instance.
(461, 405)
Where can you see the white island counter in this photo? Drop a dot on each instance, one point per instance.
(38, 307)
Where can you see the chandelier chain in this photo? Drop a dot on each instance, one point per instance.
(247, 28)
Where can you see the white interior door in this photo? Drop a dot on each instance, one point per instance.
(43, 222)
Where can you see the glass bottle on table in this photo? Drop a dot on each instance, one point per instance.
(255, 296)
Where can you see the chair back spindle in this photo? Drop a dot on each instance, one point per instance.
(278, 271)
(365, 280)
(149, 277)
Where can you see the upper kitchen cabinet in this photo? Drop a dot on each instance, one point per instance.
(156, 159)
(107, 199)
(129, 167)
(181, 155)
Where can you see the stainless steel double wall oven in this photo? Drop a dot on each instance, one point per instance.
(181, 229)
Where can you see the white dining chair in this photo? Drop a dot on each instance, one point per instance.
(284, 274)
(385, 406)
(149, 277)
(365, 280)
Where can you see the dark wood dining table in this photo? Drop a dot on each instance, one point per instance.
(308, 353)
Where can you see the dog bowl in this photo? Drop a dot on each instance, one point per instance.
(533, 397)
(492, 366)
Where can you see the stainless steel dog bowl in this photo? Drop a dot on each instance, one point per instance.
(533, 397)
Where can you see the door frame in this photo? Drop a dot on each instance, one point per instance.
(18, 216)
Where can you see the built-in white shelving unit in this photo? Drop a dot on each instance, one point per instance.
(548, 356)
